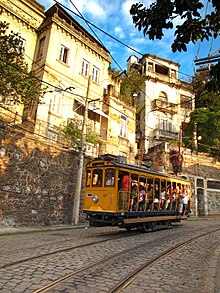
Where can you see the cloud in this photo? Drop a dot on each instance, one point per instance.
(94, 9)
(119, 32)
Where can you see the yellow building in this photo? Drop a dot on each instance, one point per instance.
(73, 68)
(24, 17)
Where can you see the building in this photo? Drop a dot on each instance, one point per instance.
(165, 102)
(73, 68)
(120, 135)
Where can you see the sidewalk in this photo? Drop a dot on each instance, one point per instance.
(6, 230)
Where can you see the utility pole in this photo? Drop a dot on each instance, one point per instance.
(180, 138)
(76, 204)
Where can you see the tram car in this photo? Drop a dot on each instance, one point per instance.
(129, 196)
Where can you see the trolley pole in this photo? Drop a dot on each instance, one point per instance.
(76, 204)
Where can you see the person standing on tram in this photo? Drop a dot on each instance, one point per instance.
(124, 191)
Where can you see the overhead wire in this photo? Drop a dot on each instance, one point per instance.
(89, 25)
(109, 35)
(40, 80)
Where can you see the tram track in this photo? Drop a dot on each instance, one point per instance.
(125, 282)
(128, 234)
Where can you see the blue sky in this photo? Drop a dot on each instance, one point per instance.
(113, 17)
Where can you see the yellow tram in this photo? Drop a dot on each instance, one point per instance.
(128, 196)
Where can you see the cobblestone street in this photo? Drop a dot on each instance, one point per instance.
(36, 258)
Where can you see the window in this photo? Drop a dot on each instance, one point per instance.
(85, 68)
(41, 47)
(186, 102)
(109, 177)
(123, 126)
(63, 54)
(88, 178)
(55, 102)
(95, 74)
(52, 135)
(97, 177)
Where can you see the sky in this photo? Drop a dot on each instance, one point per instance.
(113, 17)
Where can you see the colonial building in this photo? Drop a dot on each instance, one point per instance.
(165, 102)
(73, 68)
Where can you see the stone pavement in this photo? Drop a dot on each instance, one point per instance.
(212, 284)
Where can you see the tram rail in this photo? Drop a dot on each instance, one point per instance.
(130, 277)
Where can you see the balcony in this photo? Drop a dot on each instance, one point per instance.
(165, 134)
(164, 106)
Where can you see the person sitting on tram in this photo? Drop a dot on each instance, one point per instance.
(156, 198)
(149, 197)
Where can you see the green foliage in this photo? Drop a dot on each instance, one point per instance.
(205, 120)
(73, 131)
(162, 13)
(131, 84)
(207, 124)
(92, 137)
(16, 84)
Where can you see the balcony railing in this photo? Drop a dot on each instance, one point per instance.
(166, 134)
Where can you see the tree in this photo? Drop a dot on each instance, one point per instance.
(17, 84)
(205, 120)
(131, 84)
(162, 14)
(73, 131)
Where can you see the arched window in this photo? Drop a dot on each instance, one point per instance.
(163, 97)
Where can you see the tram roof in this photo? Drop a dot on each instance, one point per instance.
(117, 161)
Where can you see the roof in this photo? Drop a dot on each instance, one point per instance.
(118, 161)
(63, 14)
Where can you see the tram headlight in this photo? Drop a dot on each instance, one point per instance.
(95, 198)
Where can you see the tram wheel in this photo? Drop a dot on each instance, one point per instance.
(128, 229)
(153, 226)
(145, 227)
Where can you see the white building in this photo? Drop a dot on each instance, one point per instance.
(165, 102)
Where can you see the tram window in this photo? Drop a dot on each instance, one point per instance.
(88, 178)
(143, 180)
(97, 177)
(134, 179)
(110, 177)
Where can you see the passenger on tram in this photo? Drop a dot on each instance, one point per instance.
(163, 198)
(180, 203)
(142, 195)
(97, 178)
(174, 199)
(149, 202)
(109, 179)
(134, 193)
(124, 184)
(156, 198)
(185, 201)
(168, 198)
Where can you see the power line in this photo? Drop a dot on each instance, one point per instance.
(93, 32)
(117, 40)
